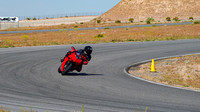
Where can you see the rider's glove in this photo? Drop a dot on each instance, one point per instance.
(85, 62)
(68, 53)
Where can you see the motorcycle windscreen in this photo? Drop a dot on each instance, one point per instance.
(78, 55)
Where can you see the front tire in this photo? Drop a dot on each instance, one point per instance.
(67, 68)
(59, 71)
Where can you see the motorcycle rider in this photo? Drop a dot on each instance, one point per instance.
(85, 55)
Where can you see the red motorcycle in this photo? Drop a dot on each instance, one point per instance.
(71, 62)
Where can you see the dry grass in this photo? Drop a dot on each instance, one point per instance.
(181, 71)
(101, 36)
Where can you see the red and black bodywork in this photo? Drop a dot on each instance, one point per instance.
(72, 61)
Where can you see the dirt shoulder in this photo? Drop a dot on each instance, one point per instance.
(183, 71)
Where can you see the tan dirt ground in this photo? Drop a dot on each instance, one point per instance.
(183, 71)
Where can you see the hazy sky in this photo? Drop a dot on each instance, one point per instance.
(51, 7)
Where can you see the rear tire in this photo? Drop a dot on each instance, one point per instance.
(67, 68)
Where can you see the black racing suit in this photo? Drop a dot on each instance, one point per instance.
(85, 57)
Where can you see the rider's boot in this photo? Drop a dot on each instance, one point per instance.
(78, 69)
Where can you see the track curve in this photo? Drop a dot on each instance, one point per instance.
(29, 78)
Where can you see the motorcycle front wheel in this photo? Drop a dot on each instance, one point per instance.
(59, 71)
(67, 68)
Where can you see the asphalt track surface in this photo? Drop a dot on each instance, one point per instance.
(93, 28)
(29, 78)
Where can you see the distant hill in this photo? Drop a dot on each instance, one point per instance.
(140, 10)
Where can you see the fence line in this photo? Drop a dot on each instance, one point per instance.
(63, 19)
(62, 15)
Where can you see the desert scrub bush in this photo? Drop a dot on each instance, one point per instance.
(99, 36)
(81, 23)
(34, 18)
(28, 18)
(147, 40)
(168, 18)
(98, 21)
(118, 21)
(131, 20)
(176, 19)
(169, 38)
(47, 18)
(196, 22)
(106, 28)
(191, 18)
(61, 30)
(131, 40)
(116, 40)
(149, 20)
(76, 28)
(25, 37)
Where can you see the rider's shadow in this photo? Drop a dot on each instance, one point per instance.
(79, 74)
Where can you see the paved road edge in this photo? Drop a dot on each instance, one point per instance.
(152, 82)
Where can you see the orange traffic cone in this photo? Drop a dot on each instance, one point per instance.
(153, 66)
